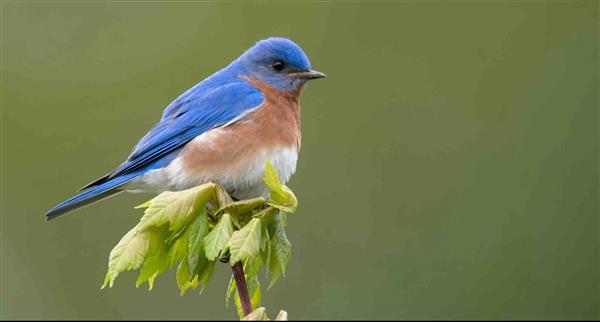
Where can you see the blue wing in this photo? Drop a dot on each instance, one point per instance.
(203, 107)
(192, 114)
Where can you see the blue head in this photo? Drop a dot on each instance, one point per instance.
(278, 62)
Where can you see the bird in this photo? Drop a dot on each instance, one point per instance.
(221, 130)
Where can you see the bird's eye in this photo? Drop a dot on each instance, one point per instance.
(278, 65)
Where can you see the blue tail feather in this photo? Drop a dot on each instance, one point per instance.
(96, 193)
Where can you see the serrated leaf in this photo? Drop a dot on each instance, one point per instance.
(203, 270)
(252, 265)
(242, 210)
(264, 240)
(243, 207)
(176, 208)
(178, 231)
(290, 204)
(127, 255)
(275, 272)
(183, 278)
(156, 259)
(198, 229)
(245, 243)
(216, 241)
(281, 197)
(265, 215)
(281, 249)
(265, 248)
(200, 275)
(178, 248)
(205, 275)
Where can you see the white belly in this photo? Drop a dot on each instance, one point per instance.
(242, 179)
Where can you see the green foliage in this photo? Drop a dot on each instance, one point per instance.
(281, 197)
(216, 241)
(190, 230)
(245, 243)
(280, 248)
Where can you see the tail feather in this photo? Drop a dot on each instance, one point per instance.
(96, 182)
(96, 193)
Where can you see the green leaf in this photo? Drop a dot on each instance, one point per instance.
(201, 275)
(265, 248)
(156, 260)
(178, 249)
(203, 270)
(144, 205)
(230, 290)
(176, 208)
(193, 268)
(251, 266)
(242, 210)
(243, 207)
(281, 197)
(281, 249)
(127, 255)
(183, 278)
(265, 215)
(216, 241)
(222, 197)
(205, 275)
(245, 243)
(190, 229)
(197, 231)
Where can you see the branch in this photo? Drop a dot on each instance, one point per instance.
(240, 282)
(192, 229)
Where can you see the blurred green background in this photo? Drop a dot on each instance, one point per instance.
(449, 164)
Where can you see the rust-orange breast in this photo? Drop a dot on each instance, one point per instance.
(234, 154)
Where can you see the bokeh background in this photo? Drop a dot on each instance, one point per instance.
(449, 164)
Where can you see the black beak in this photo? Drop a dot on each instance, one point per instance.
(311, 74)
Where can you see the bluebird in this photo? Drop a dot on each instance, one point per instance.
(222, 130)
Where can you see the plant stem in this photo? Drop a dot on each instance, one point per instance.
(242, 288)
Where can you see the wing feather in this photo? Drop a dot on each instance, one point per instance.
(193, 113)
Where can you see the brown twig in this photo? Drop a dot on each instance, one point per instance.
(242, 288)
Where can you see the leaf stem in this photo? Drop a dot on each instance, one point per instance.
(242, 288)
